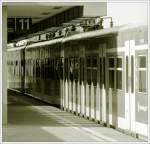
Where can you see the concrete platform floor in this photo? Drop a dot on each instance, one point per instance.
(30, 121)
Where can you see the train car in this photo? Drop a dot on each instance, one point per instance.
(114, 76)
(16, 66)
(101, 75)
(43, 71)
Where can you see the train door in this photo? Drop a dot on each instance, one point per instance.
(74, 84)
(116, 89)
(94, 86)
(136, 97)
(141, 95)
(91, 85)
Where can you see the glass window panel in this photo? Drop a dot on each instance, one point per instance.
(66, 68)
(76, 69)
(94, 77)
(142, 81)
(82, 69)
(104, 79)
(111, 78)
(89, 76)
(119, 79)
(132, 74)
(119, 62)
(16, 63)
(126, 73)
(88, 62)
(111, 62)
(94, 62)
(142, 61)
(100, 72)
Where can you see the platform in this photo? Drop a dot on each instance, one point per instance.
(33, 121)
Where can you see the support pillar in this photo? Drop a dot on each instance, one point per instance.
(4, 65)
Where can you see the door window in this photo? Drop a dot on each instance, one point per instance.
(142, 73)
(119, 73)
(115, 72)
(111, 78)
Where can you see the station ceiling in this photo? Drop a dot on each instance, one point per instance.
(36, 11)
(42, 10)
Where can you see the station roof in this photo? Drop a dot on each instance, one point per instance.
(36, 11)
(42, 10)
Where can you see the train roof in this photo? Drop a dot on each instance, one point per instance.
(54, 41)
(103, 32)
(16, 48)
(81, 36)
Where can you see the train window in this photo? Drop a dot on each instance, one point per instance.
(111, 62)
(42, 68)
(71, 69)
(132, 74)
(48, 69)
(94, 62)
(34, 71)
(142, 81)
(76, 69)
(52, 72)
(126, 73)
(142, 61)
(32, 67)
(119, 62)
(142, 73)
(88, 62)
(94, 77)
(80, 71)
(22, 62)
(38, 68)
(119, 79)
(104, 72)
(66, 68)
(100, 72)
(59, 68)
(16, 63)
(89, 76)
(111, 78)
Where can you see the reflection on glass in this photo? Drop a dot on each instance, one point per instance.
(119, 79)
(142, 81)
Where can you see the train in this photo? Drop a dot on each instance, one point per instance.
(100, 75)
